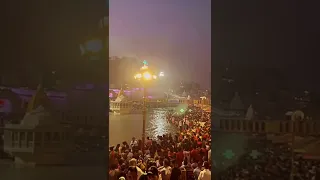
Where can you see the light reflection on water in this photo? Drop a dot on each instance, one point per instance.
(124, 127)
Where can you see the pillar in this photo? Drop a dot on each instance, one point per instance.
(33, 139)
(42, 139)
(19, 141)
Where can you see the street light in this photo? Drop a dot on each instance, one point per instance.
(144, 76)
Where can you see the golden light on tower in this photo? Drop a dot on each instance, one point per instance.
(138, 76)
(144, 67)
(145, 74)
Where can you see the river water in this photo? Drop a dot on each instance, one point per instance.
(122, 128)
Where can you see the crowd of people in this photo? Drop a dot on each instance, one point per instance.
(187, 156)
(274, 162)
(182, 156)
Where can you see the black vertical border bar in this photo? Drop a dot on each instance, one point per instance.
(106, 48)
(284, 25)
(213, 13)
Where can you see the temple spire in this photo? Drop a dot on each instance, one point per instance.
(38, 99)
(121, 93)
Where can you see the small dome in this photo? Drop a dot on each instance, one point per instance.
(38, 117)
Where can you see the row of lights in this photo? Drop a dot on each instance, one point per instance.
(145, 76)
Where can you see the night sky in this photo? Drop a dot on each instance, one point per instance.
(45, 36)
(175, 35)
(275, 35)
(250, 34)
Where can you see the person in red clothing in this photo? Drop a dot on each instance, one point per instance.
(204, 151)
(195, 137)
(170, 153)
(193, 154)
(112, 154)
(149, 142)
(181, 137)
(179, 157)
(190, 123)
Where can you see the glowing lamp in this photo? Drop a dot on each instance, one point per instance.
(138, 76)
(147, 76)
(154, 77)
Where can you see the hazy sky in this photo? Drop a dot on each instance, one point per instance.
(175, 35)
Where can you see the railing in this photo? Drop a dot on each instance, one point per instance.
(181, 101)
(302, 128)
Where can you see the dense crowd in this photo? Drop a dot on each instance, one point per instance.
(182, 156)
(274, 162)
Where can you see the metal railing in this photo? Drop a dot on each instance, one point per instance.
(302, 128)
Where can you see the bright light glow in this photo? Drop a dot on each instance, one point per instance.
(203, 97)
(161, 74)
(138, 76)
(154, 77)
(144, 67)
(147, 76)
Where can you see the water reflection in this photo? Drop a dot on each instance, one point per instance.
(124, 127)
